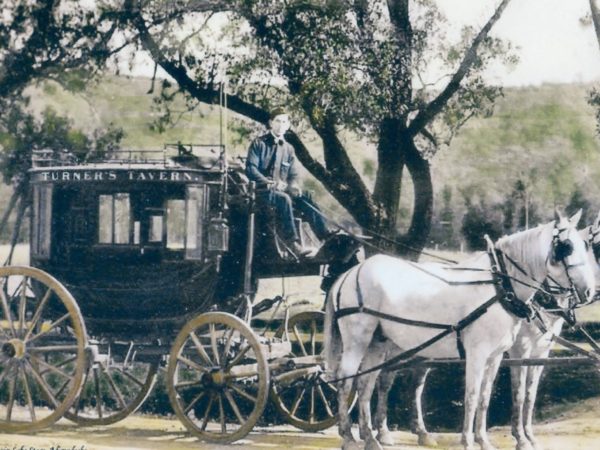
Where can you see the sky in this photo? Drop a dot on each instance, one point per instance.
(554, 46)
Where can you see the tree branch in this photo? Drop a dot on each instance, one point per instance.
(436, 105)
(595, 8)
(179, 73)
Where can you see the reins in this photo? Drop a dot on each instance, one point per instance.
(539, 321)
(366, 243)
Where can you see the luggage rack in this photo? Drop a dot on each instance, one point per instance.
(206, 157)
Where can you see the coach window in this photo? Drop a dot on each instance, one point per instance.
(184, 222)
(176, 224)
(195, 216)
(42, 220)
(114, 219)
(155, 224)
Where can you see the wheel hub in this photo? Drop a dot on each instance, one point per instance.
(217, 378)
(15, 348)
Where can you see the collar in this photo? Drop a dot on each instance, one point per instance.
(276, 138)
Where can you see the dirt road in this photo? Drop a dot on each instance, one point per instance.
(577, 429)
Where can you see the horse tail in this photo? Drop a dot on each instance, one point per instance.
(331, 331)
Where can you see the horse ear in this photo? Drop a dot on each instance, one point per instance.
(557, 215)
(574, 220)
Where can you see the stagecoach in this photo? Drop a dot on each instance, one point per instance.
(148, 261)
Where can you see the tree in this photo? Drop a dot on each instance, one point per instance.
(52, 39)
(346, 67)
(594, 98)
(21, 134)
(579, 201)
(479, 220)
(443, 231)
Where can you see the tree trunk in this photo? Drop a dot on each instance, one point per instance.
(388, 184)
(595, 9)
(23, 204)
(9, 209)
(420, 227)
(397, 150)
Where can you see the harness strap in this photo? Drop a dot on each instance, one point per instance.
(587, 337)
(339, 292)
(449, 282)
(362, 309)
(405, 357)
(562, 341)
(504, 289)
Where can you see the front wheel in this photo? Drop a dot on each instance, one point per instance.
(42, 349)
(218, 377)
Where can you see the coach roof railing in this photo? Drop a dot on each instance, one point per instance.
(205, 157)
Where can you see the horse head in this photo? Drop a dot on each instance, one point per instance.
(568, 264)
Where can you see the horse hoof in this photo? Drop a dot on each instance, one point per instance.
(524, 446)
(372, 444)
(427, 440)
(385, 438)
(349, 445)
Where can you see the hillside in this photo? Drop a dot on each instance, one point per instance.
(543, 135)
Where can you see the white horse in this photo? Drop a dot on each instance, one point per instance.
(429, 293)
(531, 342)
(534, 343)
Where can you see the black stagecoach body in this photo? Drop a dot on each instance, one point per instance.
(147, 243)
(132, 241)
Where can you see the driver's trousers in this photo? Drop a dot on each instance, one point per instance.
(284, 206)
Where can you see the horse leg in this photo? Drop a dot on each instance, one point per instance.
(487, 385)
(533, 382)
(475, 368)
(365, 384)
(417, 423)
(351, 358)
(518, 378)
(384, 385)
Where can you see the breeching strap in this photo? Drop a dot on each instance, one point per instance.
(361, 308)
(401, 358)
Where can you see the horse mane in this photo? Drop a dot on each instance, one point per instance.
(527, 246)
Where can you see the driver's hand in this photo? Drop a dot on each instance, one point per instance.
(295, 191)
(280, 186)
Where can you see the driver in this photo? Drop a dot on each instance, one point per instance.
(271, 163)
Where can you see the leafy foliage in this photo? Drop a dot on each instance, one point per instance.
(594, 100)
(479, 220)
(54, 39)
(22, 134)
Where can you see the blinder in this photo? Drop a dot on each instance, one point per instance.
(561, 250)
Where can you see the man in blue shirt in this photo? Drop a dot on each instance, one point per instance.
(271, 163)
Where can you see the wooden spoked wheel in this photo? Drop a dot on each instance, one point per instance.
(218, 377)
(306, 401)
(115, 386)
(42, 349)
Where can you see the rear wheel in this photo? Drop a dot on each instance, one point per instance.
(218, 377)
(42, 349)
(115, 386)
(306, 401)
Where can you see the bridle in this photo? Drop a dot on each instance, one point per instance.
(560, 251)
(591, 242)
